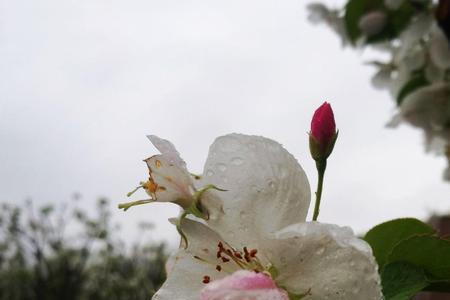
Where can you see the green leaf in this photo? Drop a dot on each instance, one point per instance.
(384, 237)
(353, 12)
(418, 80)
(428, 252)
(442, 286)
(401, 281)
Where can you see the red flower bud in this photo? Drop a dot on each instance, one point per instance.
(323, 134)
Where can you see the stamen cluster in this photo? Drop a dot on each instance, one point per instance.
(246, 259)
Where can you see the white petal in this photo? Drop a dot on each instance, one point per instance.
(242, 285)
(400, 77)
(428, 107)
(439, 49)
(168, 182)
(168, 150)
(446, 173)
(318, 13)
(184, 281)
(395, 121)
(328, 260)
(412, 35)
(415, 58)
(266, 188)
(382, 78)
(433, 73)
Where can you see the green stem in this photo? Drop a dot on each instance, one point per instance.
(321, 166)
(127, 205)
(180, 231)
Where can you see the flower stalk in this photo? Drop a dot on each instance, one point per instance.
(322, 138)
(321, 167)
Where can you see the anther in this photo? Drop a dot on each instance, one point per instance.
(253, 252)
(224, 259)
(206, 279)
(218, 268)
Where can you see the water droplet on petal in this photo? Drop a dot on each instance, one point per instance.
(284, 172)
(237, 161)
(320, 251)
(209, 173)
(222, 167)
(272, 184)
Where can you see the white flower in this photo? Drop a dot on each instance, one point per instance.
(169, 180)
(261, 227)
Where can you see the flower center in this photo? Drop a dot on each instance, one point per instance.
(230, 258)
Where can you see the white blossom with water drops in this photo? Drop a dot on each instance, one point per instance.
(260, 227)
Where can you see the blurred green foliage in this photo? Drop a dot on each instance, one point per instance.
(62, 252)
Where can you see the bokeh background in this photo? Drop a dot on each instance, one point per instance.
(83, 82)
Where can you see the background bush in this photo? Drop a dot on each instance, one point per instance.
(64, 253)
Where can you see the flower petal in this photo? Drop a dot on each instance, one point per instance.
(168, 182)
(184, 281)
(327, 260)
(266, 188)
(428, 107)
(243, 285)
(168, 150)
(439, 49)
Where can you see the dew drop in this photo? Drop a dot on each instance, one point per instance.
(230, 145)
(256, 188)
(320, 251)
(209, 173)
(237, 161)
(274, 147)
(284, 172)
(272, 184)
(222, 167)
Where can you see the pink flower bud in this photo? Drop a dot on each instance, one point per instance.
(323, 134)
(243, 285)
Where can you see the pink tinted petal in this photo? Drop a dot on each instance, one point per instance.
(243, 285)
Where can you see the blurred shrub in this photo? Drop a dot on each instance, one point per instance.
(63, 253)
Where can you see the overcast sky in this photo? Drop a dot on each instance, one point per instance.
(83, 81)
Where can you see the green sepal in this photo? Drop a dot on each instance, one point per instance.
(319, 153)
(196, 210)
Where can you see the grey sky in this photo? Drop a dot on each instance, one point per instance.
(83, 82)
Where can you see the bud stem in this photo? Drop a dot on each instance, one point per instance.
(321, 166)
